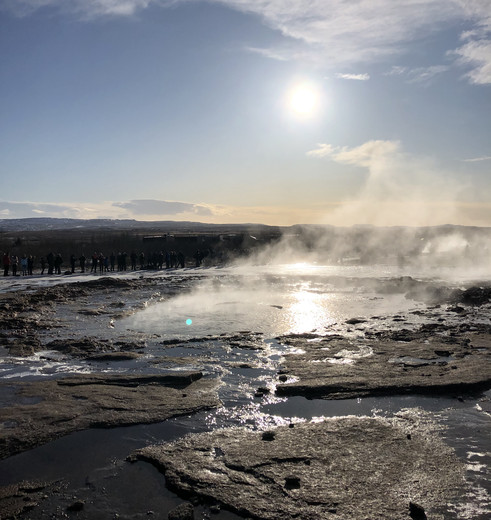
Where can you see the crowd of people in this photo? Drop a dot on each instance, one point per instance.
(98, 262)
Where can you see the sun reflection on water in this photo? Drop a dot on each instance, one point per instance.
(308, 312)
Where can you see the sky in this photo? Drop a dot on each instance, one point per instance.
(280, 112)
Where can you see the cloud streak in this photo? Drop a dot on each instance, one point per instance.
(479, 159)
(356, 77)
(146, 207)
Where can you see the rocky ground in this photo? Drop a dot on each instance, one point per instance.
(345, 468)
(57, 407)
(388, 364)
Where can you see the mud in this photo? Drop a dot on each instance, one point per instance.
(342, 468)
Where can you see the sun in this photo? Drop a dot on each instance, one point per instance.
(303, 99)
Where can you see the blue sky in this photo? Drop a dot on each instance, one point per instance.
(185, 110)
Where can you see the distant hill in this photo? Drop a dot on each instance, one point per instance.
(47, 224)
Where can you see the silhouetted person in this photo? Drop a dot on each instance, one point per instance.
(58, 261)
(23, 265)
(112, 260)
(14, 262)
(43, 264)
(30, 264)
(133, 258)
(198, 256)
(72, 262)
(180, 259)
(101, 263)
(82, 261)
(6, 264)
(93, 267)
(51, 262)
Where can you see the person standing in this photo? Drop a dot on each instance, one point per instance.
(23, 265)
(82, 263)
(58, 262)
(14, 262)
(43, 264)
(51, 262)
(72, 262)
(95, 259)
(6, 264)
(30, 264)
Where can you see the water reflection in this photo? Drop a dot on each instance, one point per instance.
(308, 312)
(292, 300)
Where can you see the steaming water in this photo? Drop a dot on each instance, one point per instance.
(269, 302)
(274, 301)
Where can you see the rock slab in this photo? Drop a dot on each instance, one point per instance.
(345, 468)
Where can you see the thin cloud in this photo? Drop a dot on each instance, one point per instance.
(145, 207)
(356, 77)
(38, 209)
(478, 159)
(421, 75)
(426, 74)
(328, 33)
(476, 54)
(396, 70)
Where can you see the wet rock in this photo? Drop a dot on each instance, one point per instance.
(114, 356)
(292, 482)
(457, 309)
(78, 505)
(262, 391)
(57, 407)
(215, 509)
(182, 512)
(94, 348)
(476, 296)
(272, 480)
(19, 498)
(386, 367)
(268, 436)
(416, 512)
(355, 321)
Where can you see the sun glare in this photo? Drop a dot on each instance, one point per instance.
(303, 99)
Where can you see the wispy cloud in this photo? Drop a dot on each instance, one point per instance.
(85, 9)
(356, 77)
(399, 189)
(338, 32)
(146, 207)
(421, 75)
(479, 159)
(477, 55)
(142, 209)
